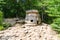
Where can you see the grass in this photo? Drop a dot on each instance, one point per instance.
(1, 28)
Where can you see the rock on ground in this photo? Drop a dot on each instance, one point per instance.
(25, 32)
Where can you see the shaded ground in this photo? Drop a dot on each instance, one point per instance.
(25, 32)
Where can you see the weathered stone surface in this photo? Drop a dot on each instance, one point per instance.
(32, 17)
(24, 32)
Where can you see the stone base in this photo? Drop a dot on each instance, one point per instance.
(30, 24)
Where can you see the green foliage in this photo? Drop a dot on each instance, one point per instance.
(11, 7)
(1, 18)
(51, 12)
(17, 7)
(1, 28)
(1, 21)
(56, 25)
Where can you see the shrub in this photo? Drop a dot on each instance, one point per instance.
(56, 25)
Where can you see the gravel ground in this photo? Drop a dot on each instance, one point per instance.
(26, 32)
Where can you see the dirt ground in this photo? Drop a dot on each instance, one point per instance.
(27, 32)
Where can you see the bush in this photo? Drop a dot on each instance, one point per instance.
(52, 9)
(56, 25)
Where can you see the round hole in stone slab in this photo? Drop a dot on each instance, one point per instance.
(31, 20)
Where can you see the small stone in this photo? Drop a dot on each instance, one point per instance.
(20, 39)
(40, 36)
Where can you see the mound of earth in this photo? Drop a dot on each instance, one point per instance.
(26, 32)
